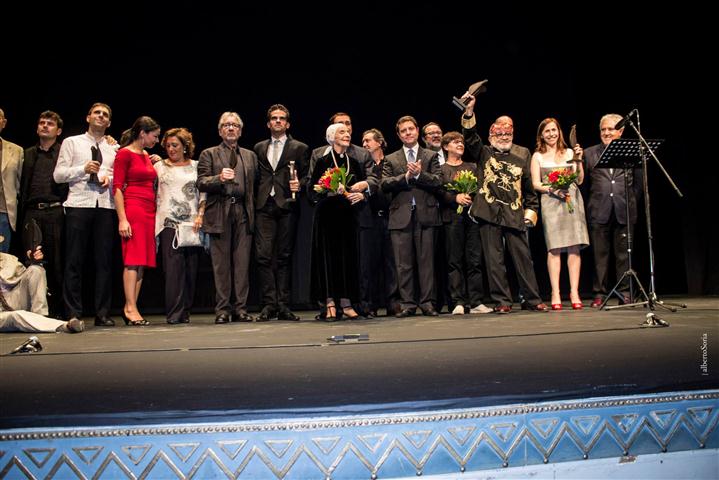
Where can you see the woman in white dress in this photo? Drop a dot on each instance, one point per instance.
(563, 219)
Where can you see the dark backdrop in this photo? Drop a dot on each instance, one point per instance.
(184, 63)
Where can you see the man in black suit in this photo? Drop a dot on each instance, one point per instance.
(607, 212)
(228, 174)
(41, 200)
(412, 176)
(281, 161)
(378, 274)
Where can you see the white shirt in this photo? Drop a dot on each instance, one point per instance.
(280, 148)
(75, 152)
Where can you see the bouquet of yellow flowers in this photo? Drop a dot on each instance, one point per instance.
(561, 180)
(332, 179)
(464, 181)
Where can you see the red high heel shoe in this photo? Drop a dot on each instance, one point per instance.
(556, 306)
(577, 306)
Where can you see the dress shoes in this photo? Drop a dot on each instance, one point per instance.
(597, 302)
(267, 314)
(286, 314)
(174, 321)
(624, 300)
(429, 312)
(577, 306)
(556, 306)
(540, 307)
(104, 321)
(242, 317)
(407, 312)
(222, 318)
(185, 317)
(503, 309)
(74, 325)
(394, 309)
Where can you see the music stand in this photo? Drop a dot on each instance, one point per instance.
(625, 154)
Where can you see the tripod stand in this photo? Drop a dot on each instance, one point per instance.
(639, 150)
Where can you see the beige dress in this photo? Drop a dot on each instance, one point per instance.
(562, 228)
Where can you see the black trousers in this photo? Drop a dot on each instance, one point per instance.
(378, 273)
(274, 239)
(492, 237)
(180, 268)
(464, 261)
(83, 227)
(230, 253)
(52, 225)
(605, 238)
(413, 248)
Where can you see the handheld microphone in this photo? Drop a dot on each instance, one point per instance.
(624, 120)
(32, 344)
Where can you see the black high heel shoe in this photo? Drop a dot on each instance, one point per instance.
(134, 323)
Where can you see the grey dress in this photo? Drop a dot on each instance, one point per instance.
(561, 228)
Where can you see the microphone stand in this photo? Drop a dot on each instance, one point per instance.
(652, 301)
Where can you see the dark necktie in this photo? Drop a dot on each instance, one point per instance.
(233, 159)
(411, 159)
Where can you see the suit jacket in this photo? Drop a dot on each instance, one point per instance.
(212, 161)
(606, 190)
(28, 171)
(12, 160)
(280, 177)
(423, 189)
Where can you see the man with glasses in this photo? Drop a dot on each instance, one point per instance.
(86, 163)
(227, 173)
(607, 212)
(504, 206)
(432, 138)
(282, 160)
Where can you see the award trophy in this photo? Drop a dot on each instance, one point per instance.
(293, 176)
(474, 89)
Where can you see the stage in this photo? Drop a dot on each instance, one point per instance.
(202, 370)
(202, 373)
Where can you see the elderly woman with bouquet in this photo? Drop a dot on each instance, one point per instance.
(462, 243)
(556, 172)
(337, 185)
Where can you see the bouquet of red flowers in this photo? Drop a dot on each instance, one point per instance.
(561, 180)
(331, 180)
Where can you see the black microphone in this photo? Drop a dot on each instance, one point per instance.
(624, 120)
(32, 344)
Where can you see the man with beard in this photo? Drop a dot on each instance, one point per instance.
(504, 205)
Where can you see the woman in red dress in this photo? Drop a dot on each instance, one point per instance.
(134, 192)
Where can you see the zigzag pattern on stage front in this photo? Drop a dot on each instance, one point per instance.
(393, 445)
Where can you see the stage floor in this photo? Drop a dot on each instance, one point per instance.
(206, 372)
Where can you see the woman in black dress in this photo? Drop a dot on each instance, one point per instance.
(334, 231)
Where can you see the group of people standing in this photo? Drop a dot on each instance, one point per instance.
(374, 239)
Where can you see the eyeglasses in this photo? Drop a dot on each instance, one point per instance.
(231, 125)
(508, 135)
(434, 134)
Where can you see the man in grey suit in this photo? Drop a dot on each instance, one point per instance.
(11, 159)
(412, 176)
(227, 173)
(607, 212)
